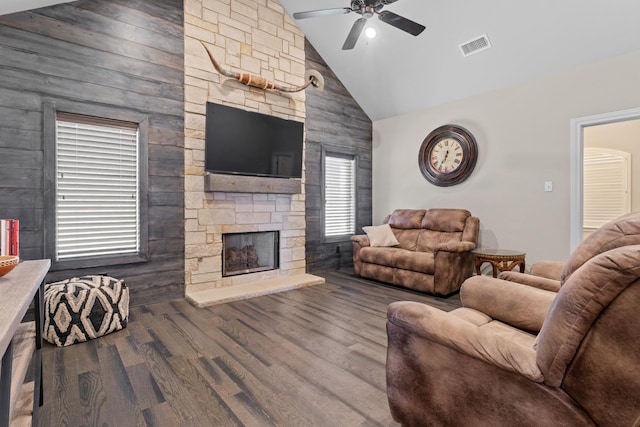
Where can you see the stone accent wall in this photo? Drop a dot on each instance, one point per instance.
(251, 36)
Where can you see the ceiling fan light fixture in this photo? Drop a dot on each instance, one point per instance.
(366, 9)
(371, 32)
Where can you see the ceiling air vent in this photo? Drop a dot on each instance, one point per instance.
(475, 45)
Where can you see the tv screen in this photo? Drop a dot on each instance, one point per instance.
(249, 143)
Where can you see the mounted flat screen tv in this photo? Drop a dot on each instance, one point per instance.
(248, 143)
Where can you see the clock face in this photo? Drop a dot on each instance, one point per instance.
(448, 155)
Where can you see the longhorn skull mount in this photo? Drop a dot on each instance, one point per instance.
(313, 78)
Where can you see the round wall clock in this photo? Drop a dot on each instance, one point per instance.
(448, 155)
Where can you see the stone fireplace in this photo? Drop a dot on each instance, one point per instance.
(231, 213)
(245, 253)
(255, 37)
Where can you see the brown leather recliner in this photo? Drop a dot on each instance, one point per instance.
(550, 275)
(483, 365)
(433, 253)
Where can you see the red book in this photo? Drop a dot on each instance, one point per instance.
(15, 233)
(9, 237)
(4, 248)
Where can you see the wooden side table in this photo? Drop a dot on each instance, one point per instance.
(21, 343)
(500, 259)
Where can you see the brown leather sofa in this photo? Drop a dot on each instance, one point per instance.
(433, 253)
(518, 354)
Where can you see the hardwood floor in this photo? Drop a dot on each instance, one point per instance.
(308, 357)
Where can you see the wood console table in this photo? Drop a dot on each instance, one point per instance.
(19, 341)
(500, 259)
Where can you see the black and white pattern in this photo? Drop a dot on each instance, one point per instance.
(83, 308)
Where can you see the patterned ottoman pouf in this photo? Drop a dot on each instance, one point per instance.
(83, 308)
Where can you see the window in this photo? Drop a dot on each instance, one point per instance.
(339, 195)
(97, 198)
(607, 182)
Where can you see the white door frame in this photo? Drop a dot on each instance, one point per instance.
(577, 156)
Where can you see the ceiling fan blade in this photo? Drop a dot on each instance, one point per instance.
(321, 12)
(352, 38)
(401, 23)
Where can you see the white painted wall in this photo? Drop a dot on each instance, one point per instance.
(523, 136)
(12, 6)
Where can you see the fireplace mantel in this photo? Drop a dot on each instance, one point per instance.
(251, 184)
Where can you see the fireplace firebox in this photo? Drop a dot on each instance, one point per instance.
(251, 252)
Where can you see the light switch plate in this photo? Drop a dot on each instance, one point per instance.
(548, 186)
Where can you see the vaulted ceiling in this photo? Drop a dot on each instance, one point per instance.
(396, 73)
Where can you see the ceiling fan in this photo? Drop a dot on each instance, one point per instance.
(365, 8)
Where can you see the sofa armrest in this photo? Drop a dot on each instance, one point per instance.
(531, 280)
(547, 269)
(358, 241)
(453, 263)
(516, 304)
(486, 344)
(454, 247)
(361, 239)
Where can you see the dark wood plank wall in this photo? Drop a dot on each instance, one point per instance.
(334, 121)
(116, 53)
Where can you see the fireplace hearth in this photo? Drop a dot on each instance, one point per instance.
(251, 252)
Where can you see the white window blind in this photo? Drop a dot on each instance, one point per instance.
(97, 209)
(607, 186)
(339, 190)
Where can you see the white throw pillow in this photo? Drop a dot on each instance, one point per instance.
(380, 235)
